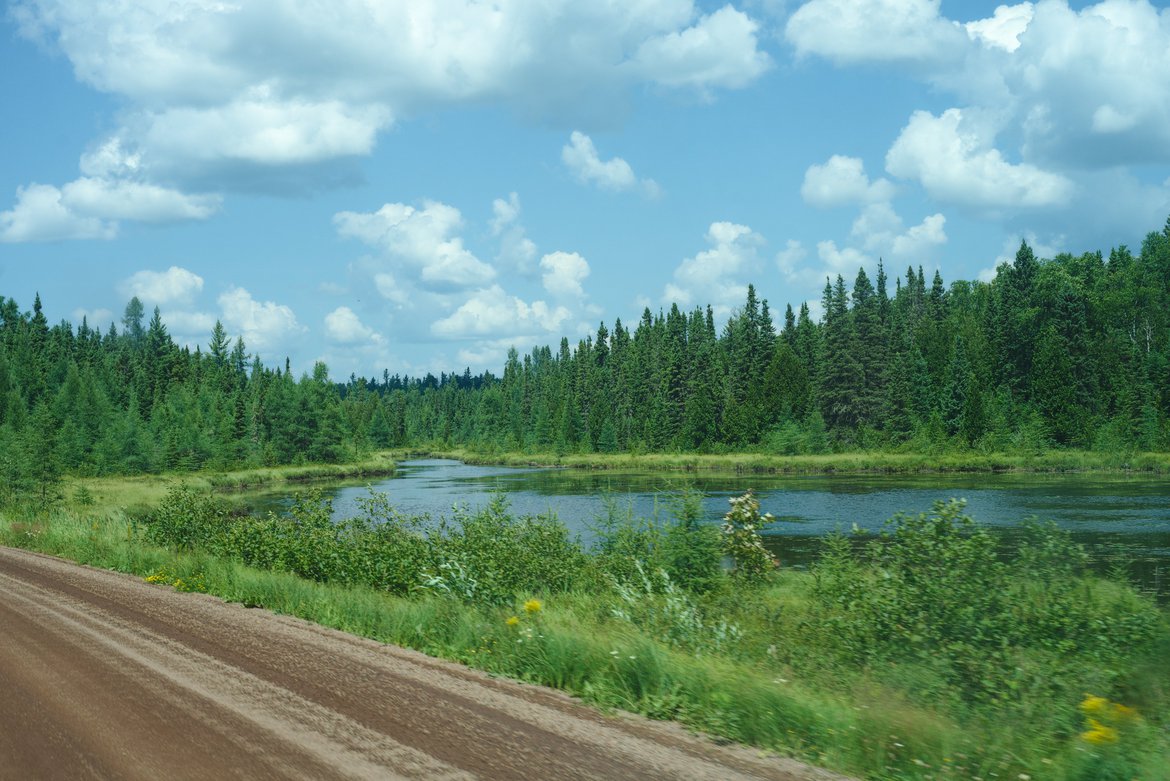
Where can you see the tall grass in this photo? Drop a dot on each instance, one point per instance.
(921, 655)
(877, 462)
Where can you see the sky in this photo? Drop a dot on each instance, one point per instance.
(417, 186)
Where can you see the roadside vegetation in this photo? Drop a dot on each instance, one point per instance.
(917, 654)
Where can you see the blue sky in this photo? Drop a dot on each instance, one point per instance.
(416, 186)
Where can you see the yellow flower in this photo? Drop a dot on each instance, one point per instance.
(1093, 705)
(512, 620)
(533, 606)
(1099, 734)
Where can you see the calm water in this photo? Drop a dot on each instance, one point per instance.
(1123, 519)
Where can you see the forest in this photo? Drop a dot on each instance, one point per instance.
(1068, 352)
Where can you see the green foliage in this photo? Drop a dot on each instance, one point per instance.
(742, 542)
(503, 555)
(932, 591)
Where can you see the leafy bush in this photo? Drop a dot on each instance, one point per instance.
(933, 591)
(504, 555)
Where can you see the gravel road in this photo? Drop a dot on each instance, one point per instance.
(105, 676)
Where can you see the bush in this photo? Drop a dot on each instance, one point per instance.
(504, 555)
(932, 591)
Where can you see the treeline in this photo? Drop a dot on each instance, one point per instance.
(1069, 352)
(131, 401)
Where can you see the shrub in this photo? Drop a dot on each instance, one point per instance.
(932, 591)
(742, 540)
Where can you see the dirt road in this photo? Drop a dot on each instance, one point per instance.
(105, 676)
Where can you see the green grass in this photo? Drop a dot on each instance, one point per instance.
(836, 463)
(106, 495)
(783, 680)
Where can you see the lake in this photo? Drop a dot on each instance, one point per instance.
(1119, 518)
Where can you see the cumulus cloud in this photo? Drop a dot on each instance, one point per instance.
(491, 312)
(1085, 89)
(920, 239)
(390, 289)
(1002, 30)
(516, 249)
(90, 208)
(720, 50)
(342, 326)
(717, 275)
(40, 215)
(126, 200)
(840, 181)
(97, 319)
(189, 327)
(853, 31)
(956, 164)
(259, 95)
(1092, 83)
(263, 325)
(563, 274)
(581, 158)
(174, 286)
(840, 260)
(420, 241)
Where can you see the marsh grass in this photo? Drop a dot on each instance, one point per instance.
(860, 462)
(792, 680)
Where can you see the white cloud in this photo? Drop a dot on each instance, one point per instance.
(717, 275)
(188, 327)
(206, 83)
(1002, 30)
(853, 31)
(720, 50)
(264, 325)
(343, 326)
(581, 158)
(1098, 78)
(389, 288)
(97, 319)
(921, 238)
(258, 129)
(125, 200)
(842, 180)
(175, 285)
(563, 274)
(956, 164)
(421, 241)
(788, 260)
(841, 260)
(88, 208)
(40, 215)
(491, 312)
(516, 249)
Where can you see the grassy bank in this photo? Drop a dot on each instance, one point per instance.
(836, 463)
(924, 657)
(101, 496)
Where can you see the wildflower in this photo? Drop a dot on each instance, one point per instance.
(1099, 734)
(512, 620)
(1093, 705)
(533, 606)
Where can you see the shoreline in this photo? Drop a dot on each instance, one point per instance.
(1051, 462)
